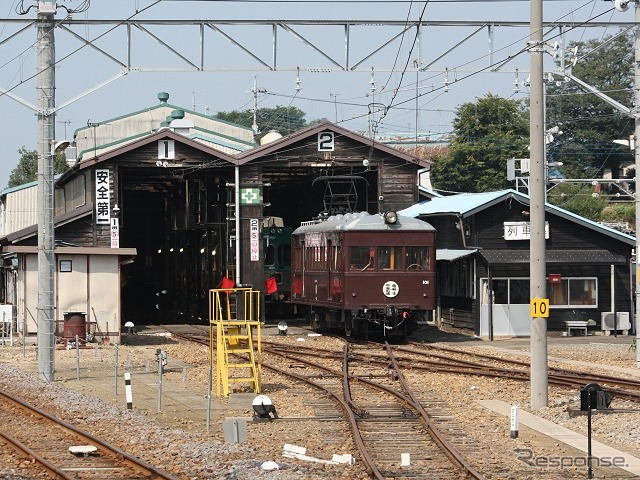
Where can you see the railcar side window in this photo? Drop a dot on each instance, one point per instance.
(362, 258)
(417, 258)
(337, 257)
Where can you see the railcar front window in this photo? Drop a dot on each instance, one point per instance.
(269, 255)
(284, 255)
(362, 258)
(389, 258)
(417, 258)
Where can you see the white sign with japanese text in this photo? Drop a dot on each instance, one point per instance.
(254, 227)
(115, 233)
(103, 200)
(521, 230)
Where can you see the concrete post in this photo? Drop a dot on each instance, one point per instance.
(46, 261)
(538, 337)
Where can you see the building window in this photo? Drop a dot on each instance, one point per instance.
(65, 265)
(570, 292)
(574, 292)
(506, 291)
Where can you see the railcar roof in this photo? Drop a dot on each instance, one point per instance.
(365, 221)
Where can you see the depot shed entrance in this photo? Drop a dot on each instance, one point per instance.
(189, 214)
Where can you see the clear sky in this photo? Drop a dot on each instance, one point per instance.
(325, 91)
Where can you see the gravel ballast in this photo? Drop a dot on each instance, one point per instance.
(179, 443)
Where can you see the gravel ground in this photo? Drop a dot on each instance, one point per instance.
(181, 447)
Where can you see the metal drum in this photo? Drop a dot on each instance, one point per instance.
(75, 323)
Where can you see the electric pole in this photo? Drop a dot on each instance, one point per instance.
(636, 154)
(254, 127)
(46, 133)
(537, 187)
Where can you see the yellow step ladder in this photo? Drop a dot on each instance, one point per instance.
(234, 316)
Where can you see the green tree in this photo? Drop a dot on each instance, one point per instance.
(284, 120)
(589, 124)
(485, 134)
(579, 199)
(27, 169)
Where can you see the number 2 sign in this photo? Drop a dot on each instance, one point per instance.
(326, 142)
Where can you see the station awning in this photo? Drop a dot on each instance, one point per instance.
(451, 254)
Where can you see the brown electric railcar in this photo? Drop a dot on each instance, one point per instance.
(367, 275)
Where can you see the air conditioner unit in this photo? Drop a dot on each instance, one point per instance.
(622, 321)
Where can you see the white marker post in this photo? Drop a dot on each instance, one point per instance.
(514, 421)
(127, 388)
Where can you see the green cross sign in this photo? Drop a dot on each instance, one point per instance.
(249, 196)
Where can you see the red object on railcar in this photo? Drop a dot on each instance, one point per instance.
(365, 273)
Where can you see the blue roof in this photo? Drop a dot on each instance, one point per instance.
(468, 204)
(25, 185)
(462, 204)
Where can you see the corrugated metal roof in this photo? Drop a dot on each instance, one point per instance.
(450, 254)
(468, 204)
(463, 204)
(582, 257)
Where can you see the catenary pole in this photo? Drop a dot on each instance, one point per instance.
(538, 336)
(636, 153)
(46, 262)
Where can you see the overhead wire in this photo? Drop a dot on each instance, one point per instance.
(474, 73)
(343, 103)
(89, 42)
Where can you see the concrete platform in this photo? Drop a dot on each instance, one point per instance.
(599, 450)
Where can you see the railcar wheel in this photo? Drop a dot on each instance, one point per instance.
(415, 266)
(318, 321)
(349, 327)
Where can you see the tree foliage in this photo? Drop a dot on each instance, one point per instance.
(579, 199)
(485, 134)
(589, 124)
(27, 168)
(284, 120)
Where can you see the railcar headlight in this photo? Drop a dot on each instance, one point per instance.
(390, 218)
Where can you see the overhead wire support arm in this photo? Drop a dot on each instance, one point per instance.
(601, 96)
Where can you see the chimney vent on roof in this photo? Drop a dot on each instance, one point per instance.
(178, 113)
(163, 97)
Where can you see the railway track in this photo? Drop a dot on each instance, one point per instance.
(64, 451)
(372, 363)
(395, 436)
(456, 360)
(431, 358)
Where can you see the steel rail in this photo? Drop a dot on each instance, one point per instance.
(137, 464)
(357, 437)
(560, 377)
(444, 444)
(438, 438)
(44, 463)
